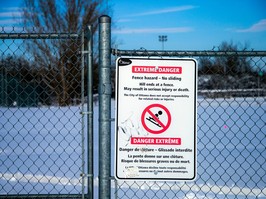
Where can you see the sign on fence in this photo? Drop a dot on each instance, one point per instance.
(156, 119)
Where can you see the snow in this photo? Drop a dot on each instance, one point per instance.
(40, 152)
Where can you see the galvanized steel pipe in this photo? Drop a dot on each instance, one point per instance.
(105, 92)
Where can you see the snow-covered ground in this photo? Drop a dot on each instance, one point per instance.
(40, 152)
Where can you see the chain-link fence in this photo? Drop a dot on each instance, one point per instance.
(42, 121)
(42, 150)
(231, 139)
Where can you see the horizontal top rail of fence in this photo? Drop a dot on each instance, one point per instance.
(189, 53)
(39, 35)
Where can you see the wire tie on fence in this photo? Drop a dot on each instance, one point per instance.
(108, 120)
(86, 175)
(84, 52)
(86, 112)
(90, 175)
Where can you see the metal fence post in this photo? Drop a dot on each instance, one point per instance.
(90, 110)
(105, 92)
(82, 120)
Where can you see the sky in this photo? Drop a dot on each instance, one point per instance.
(188, 24)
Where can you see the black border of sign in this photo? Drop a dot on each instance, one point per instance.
(195, 120)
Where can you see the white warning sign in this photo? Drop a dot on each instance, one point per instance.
(155, 136)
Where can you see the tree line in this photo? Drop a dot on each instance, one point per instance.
(52, 67)
(42, 79)
(231, 71)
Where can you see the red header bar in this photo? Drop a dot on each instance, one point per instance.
(155, 141)
(157, 69)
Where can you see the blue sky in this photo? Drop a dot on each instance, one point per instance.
(188, 24)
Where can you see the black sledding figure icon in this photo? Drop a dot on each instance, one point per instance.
(152, 120)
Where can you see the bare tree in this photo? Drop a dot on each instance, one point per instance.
(58, 60)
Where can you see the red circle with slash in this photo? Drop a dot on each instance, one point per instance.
(157, 126)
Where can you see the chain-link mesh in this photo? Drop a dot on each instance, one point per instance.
(41, 125)
(231, 139)
(40, 120)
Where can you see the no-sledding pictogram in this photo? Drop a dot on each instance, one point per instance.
(156, 118)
